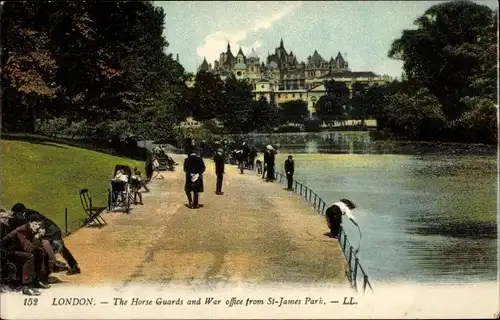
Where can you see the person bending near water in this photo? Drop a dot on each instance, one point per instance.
(194, 168)
(219, 170)
(334, 215)
(52, 233)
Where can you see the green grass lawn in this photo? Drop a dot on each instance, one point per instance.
(48, 178)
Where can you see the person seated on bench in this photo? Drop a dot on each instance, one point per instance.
(52, 233)
(24, 247)
(171, 162)
(135, 186)
(8, 224)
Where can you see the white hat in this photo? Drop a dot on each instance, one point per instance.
(269, 147)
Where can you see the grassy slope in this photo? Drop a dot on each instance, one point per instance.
(48, 177)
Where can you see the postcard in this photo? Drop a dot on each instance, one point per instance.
(249, 160)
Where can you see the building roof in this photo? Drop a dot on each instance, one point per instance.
(253, 54)
(318, 88)
(204, 65)
(240, 66)
(349, 74)
(240, 52)
(263, 80)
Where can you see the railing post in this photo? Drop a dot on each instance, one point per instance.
(350, 257)
(321, 206)
(66, 220)
(356, 262)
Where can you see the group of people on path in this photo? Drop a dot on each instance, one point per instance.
(194, 167)
(29, 242)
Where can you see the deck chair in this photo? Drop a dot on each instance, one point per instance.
(93, 213)
(156, 170)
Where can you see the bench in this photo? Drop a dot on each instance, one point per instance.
(93, 213)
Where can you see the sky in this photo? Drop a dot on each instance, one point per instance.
(362, 31)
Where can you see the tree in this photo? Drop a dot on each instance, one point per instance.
(294, 111)
(98, 67)
(238, 108)
(415, 114)
(448, 35)
(28, 64)
(331, 106)
(479, 124)
(208, 96)
(359, 104)
(264, 116)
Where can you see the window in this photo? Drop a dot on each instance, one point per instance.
(252, 69)
(293, 95)
(238, 73)
(279, 95)
(262, 86)
(300, 95)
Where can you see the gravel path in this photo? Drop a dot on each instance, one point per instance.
(255, 233)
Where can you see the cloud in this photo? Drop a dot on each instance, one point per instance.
(216, 42)
(267, 22)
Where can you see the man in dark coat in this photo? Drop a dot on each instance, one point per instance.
(289, 169)
(149, 167)
(219, 170)
(52, 233)
(194, 167)
(241, 160)
(246, 153)
(23, 246)
(269, 161)
(251, 158)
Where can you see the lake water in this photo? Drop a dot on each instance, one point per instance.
(427, 211)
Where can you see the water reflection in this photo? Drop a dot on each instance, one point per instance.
(356, 143)
(428, 211)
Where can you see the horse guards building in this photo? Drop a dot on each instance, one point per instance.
(283, 78)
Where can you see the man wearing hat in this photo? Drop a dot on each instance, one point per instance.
(269, 161)
(52, 233)
(289, 169)
(334, 215)
(219, 170)
(24, 246)
(194, 168)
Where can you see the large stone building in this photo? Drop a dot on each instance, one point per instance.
(281, 77)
